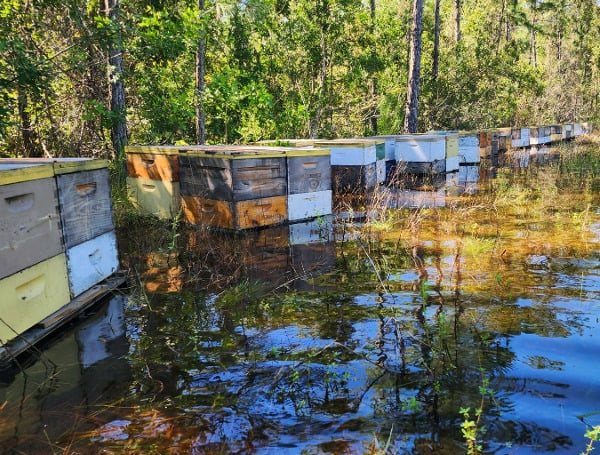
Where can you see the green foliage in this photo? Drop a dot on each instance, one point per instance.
(286, 68)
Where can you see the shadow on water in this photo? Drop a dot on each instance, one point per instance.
(442, 315)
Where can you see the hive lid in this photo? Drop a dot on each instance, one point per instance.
(349, 142)
(154, 149)
(14, 171)
(59, 165)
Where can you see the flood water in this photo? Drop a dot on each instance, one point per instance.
(463, 319)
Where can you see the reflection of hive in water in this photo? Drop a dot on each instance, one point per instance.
(160, 275)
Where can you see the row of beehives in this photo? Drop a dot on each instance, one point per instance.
(57, 238)
(272, 182)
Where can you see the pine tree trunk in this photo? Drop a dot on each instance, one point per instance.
(374, 111)
(116, 86)
(200, 71)
(414, 70)
(436, 41)
(31, 150)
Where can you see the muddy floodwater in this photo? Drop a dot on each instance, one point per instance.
(434, 317)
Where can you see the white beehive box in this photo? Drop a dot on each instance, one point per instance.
(468, 148)
(420, 148)
(350, 152)
(91, 262)
(304, 206)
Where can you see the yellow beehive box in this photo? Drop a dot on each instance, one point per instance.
(31, 295)
(160, 198)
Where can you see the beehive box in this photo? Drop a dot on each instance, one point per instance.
(235, 215)
(350, 152)
(233, 173)
(308, 170)
(468, 148)
(539, 135)
(92, 261)
(520, 137)
(304, 206)
(452, 158)
(556, 133)
(31, 295)
(84, 197)
(353, 179)
(577, 129)
(160, 198)
(421, 148)
(587, 127)
(353, 163)
(30, 229)
(153, 162)
(153, 180)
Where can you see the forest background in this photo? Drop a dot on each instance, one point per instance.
(84, 77)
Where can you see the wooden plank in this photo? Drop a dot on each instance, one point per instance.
(9, 351)
(85, 205)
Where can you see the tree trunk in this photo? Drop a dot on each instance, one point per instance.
(414, 70)
(457, 17)
(436, 41)
(200, 70)
(116, 94)
(374, 111)
(31, 151)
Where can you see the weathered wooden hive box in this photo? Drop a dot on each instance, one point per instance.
(233, 187)
(309, 183)
(153, 180)
(33, 267)
(556, 133)
(539, 135)
(85, 202)
(421, 153)
(520, 137)
(587, 127)
(577, 129)
(353, 164)
(468, 148)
